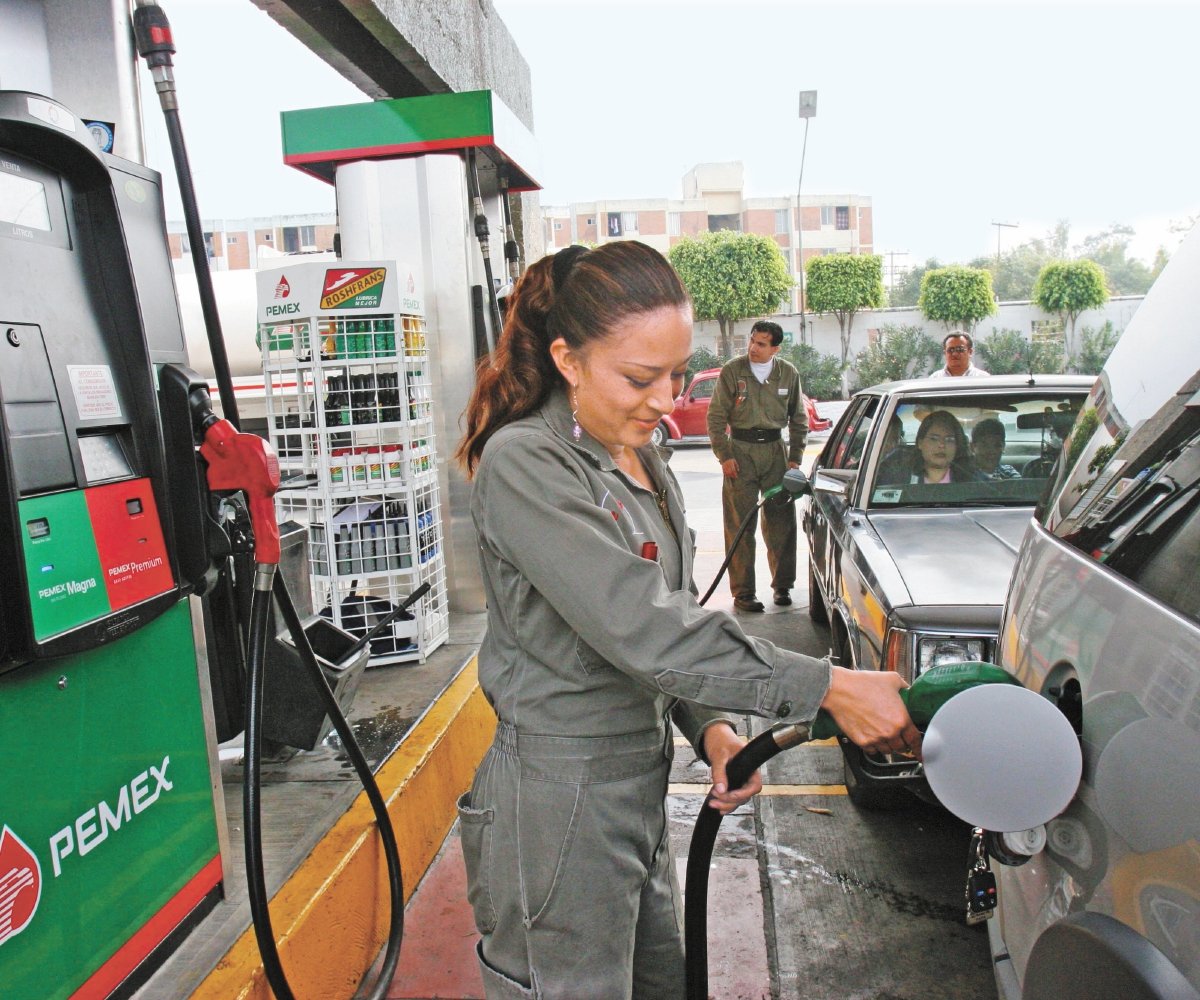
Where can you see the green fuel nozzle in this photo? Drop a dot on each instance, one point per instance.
(929, 692)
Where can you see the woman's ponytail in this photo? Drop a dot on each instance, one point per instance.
(520, 373)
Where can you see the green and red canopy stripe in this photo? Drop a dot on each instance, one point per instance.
(316, 139)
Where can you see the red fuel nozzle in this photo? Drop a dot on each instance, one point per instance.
(248, 463)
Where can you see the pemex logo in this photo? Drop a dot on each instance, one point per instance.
(353, 288)
(20, 885)
(282, 288)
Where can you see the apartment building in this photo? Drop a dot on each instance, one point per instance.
(242, 244)
(714, 199)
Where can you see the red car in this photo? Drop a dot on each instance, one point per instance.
(688, 422)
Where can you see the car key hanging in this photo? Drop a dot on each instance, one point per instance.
(981, 882)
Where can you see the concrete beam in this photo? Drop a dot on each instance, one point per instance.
(396, 48)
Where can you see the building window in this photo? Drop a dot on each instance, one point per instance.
(614, 224)
(267, 237)
(296, 238)
(843, 217)
(781, 220)
(231, 239)
(557, 226)
(673, 224)
(629, 223)
(591, 220)
(826, 215)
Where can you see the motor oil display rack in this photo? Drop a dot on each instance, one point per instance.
(350, 412)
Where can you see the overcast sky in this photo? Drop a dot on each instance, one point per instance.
(950, 116)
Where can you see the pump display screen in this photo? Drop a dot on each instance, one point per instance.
(23, 202)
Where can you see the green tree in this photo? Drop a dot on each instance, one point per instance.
(701, 360)
(1015, 272)
(908, 289)
(842, 284)
(900, 352)
(1109, 249)
(1094, 348)
(1068, 288)
(957, 296)
(820, 374)
(731, 276)
(1007, 352)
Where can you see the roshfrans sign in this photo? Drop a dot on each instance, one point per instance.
(343, 288)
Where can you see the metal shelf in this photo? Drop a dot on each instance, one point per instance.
(350, 412)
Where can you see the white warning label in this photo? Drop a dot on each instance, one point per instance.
(95, 392)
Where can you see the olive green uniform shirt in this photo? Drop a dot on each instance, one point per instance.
(585, 635)
(742, 402)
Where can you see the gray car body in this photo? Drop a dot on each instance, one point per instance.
(931, 570)
(1103, 618)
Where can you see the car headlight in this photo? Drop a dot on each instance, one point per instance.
(948, 649)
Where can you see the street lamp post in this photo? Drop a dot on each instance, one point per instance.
(808, 109)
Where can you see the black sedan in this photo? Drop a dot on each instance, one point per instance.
(919, 502)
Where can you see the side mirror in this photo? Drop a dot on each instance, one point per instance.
(834, 481)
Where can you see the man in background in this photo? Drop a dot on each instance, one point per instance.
(958, 349)
(757, 395)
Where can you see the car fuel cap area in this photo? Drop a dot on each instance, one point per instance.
(1002, 758)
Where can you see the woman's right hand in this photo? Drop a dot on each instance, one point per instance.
(866, 706)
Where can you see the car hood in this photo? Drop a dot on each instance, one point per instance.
(953, 556)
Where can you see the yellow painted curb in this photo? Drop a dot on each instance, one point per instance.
(331, 917)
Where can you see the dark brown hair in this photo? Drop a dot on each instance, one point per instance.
(577, 294)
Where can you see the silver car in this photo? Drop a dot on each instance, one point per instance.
(919, 502)
(1103, 618)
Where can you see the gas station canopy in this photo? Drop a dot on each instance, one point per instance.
(316, 140)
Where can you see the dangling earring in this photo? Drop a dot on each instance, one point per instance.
(576, 430)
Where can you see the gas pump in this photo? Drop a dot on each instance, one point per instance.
(110, 839)
(109, 824)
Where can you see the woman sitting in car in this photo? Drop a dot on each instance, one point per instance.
(941, 455)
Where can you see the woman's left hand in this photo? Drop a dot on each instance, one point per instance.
(721, 744)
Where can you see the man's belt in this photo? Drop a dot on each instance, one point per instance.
(755, 435)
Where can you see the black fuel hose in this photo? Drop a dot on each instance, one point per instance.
(387, 834)
(152, 33)
(256, 885)
(695, 894)
(788, 486)
(742, 528)
(480, 222)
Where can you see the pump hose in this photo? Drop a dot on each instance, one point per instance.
(256, 886)
(481, 233)
(391, 850)
(152, 33)
(742, 528)
(695, 897)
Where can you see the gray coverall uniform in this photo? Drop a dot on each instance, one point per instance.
(750, 408)
(594, 645)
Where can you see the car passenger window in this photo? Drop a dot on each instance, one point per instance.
(848, 450)
(705, 389)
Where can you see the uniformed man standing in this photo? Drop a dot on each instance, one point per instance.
(757, 395)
